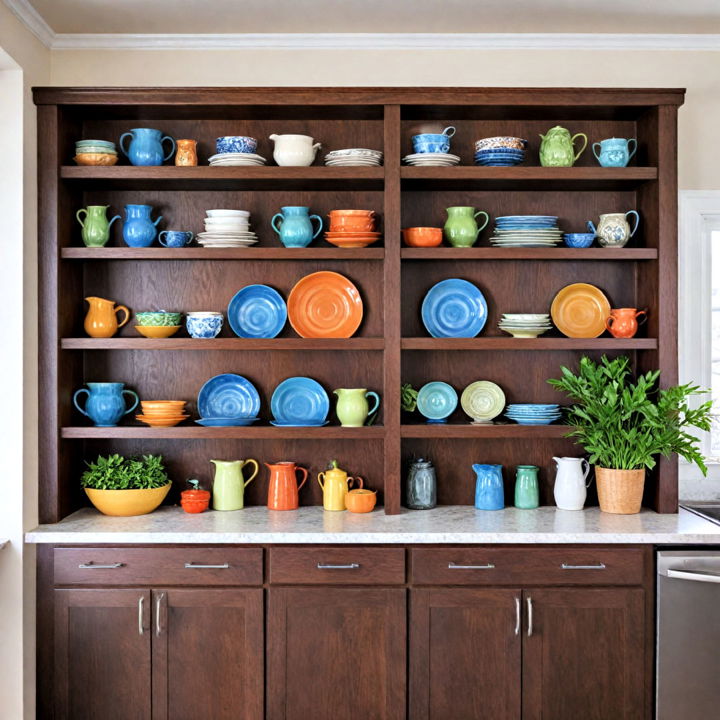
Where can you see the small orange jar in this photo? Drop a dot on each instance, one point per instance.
(360, 500)
(195, 500)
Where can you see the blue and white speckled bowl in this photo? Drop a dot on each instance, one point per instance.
(236, 144)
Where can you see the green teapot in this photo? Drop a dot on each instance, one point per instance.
(557, 148)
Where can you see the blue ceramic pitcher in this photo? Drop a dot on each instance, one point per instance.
(296, 228)
(105, 403)
(139, 230)
(146, 146)
(489, 491)
(614, 152)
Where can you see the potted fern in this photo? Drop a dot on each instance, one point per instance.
(624, 424)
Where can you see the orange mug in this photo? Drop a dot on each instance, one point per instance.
(283, 488)
(623, 322)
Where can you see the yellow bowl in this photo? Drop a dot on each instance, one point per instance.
(161, 420)
(125, 503)
(157, 331)
(95, 159)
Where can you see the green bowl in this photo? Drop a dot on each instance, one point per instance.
(157, 319)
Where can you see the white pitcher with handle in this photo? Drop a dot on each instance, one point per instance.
(570, 486)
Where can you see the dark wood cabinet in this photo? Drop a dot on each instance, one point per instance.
(102, 665)
(465, 654)
(584, 654)
(336, 653)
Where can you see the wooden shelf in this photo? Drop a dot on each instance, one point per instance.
(489, 432)
(528, 253)
(217, 344)
(541, 343)
(197, 432)
(526, 177)
(199, 253)
(169, 177)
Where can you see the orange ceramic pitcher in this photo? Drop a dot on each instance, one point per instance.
(623, 322)
(101, 319)
(283, 488)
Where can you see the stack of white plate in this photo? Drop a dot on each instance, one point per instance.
(354, 157)
(525, 325)
(227, 159)
(226, 229)
(432, 159)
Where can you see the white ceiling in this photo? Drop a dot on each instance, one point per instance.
(379, 16)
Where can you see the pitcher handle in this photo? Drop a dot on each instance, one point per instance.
(122, 138)
(582, 150)
(127, 314)
(252, 477)
(135, 404)
(172, 151)
(449, 131)
(305, 475)
(117, 217)
(155, 222)
(591, 227)
(637, 220)
(634, 150)
(77, 215)
(358, 480)
(316, 147)
(319, 219)
(75, 400)
(484, 225)
(377, 401)
(644, 316)
(274, 218)
(595, 152)
(320, 482)
(587, 472)
(160, 237)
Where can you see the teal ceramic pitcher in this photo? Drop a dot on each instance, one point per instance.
(95, 226)
(296, 229)
(105, 403)
(557, 148)
(461, 228)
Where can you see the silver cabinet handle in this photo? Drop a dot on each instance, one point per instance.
(349, 566)
(158, 602)
(198, 566)
(598, 566)
(695, 575)
(92, 566)
(453, 566)
(518, 615)
(141, 602)
(530, 616)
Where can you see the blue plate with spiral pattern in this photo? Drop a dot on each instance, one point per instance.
(454, 308)
(257, 311)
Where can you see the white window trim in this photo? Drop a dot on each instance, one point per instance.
(699, 216)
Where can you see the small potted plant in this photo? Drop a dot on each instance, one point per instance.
(624, 424)
(125, 486)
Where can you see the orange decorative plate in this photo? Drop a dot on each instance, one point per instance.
(580, 311)
(325, 305)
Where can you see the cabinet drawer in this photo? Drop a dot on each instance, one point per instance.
(337, 566)
(534, 566)
(158, 566)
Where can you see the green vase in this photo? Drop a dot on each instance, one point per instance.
(527, 488)
(461, 228)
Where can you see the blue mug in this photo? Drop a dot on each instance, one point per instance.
(433, 142)
(105, 403)
(175, 238)
(614, 152)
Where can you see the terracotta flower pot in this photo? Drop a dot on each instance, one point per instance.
(620, 491)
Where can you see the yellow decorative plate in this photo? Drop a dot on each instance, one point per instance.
(580, 311)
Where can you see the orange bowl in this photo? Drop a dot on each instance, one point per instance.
(365, 213)
(164, 421)
(162, 405)
(360, 501)
(351, 223)
(422, 236)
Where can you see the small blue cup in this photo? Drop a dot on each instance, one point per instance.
(614, 152)
(433, 142)
(204, 325)
(236, 144)
(175, 238)
(579, 240)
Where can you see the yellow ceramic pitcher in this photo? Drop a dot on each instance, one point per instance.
(335, 483)
(101, 319)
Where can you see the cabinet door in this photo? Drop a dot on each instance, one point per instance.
(465, 654)
(584, 654)
(208, 657)
(336, 653)
(102, 654)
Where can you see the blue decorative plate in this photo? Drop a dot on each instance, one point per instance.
(282, 424)
(436, 401)
(454, 308)
(300, 401)
(257, 311)
(226, 422)
(228, 396)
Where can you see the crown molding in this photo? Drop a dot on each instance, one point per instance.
(359, 41)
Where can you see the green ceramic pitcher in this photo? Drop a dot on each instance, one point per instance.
(461, 228)
(352, 406)
(557, 148)
(229, 485)
(95, 227)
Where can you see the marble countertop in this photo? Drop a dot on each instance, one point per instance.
(448, 524)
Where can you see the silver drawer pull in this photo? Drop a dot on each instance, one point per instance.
(196, 566)
(349, 566)
(599, 566)
(453, 566)
(92, 566)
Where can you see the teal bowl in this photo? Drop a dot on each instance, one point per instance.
(158, 319)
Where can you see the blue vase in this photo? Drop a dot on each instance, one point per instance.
(489, 491)
(146, 146)
(296, 228)
(139, 230)
(105, 403)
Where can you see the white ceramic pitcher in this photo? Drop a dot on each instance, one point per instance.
(570, 486)
(294, 150)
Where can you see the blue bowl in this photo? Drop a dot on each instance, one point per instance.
(204, 326)
(236, 144)
(579, 240)
(431, 143)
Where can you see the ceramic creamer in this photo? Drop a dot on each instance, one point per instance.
(570, 487)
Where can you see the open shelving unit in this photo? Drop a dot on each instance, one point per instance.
(391, 346)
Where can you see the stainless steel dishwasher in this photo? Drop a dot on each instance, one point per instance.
(688, 634)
